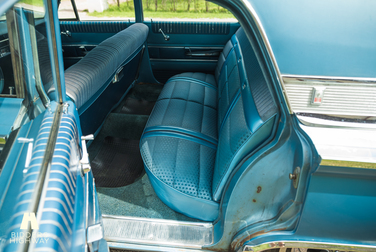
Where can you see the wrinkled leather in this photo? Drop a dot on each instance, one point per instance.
(201, 127)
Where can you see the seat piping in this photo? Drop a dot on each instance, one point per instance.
(181, 135)
(203, 83)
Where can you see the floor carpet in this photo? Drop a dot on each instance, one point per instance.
(118, 162)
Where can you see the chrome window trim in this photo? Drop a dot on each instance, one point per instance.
(308, 244)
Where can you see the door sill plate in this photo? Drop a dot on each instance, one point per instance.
(169, 233)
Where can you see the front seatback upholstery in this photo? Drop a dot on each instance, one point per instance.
(246, 110)
(86, 77)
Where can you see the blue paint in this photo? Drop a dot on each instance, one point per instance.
(338, 209)
(333, 38)
(9, 108)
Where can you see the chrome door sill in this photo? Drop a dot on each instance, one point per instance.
(152, 234)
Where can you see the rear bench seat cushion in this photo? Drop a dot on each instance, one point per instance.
(179, 145)
(180, 171)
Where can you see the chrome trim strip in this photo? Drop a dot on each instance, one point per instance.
(323, 123)
(190, 47)
(52, 35)
(72, 45)
(157, 232)
(325, 79)
(120, 217)
(44, 250)
(308, 244)
(140, 247)
(183, 60)
(269, 50)
(344, 96)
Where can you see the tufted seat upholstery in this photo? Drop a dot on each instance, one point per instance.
(202, 126)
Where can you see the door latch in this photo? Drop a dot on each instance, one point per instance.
(84, 162)
(295, 177)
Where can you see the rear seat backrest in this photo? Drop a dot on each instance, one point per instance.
(246, 110)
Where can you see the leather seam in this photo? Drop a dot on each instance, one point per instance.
(229, 110)
(190, 137)
(191, 80)
(181, 130)
(182, 99)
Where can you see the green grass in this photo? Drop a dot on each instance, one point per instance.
(33, 2)
(348, 164)
(167, 9)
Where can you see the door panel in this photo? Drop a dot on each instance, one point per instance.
(190, 47)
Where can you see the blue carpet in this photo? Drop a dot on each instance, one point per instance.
(136, 200)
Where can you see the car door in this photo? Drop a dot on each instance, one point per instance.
(193, 44)
(82, 31)
(25, 116)
(48, 199)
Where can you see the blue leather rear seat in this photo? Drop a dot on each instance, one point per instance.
(203, 125)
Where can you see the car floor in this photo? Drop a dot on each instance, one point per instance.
(115, 157)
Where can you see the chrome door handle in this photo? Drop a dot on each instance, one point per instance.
(85, 163)
(166, 37)
(66, 33)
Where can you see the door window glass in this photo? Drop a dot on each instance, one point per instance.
(180, 10)
(98, 10)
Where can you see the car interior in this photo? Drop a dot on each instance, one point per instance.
(174, 113)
